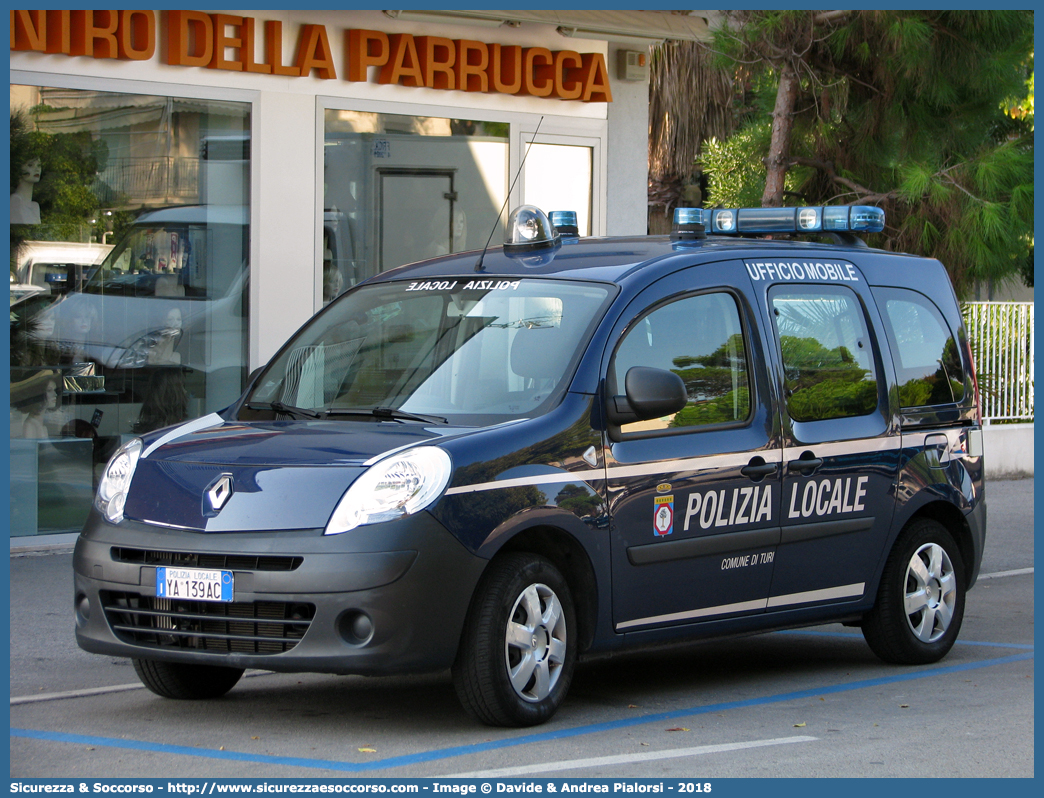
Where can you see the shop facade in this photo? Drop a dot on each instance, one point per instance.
(188, 187)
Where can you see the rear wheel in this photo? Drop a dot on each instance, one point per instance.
(920, 603)
(186, 681)
(518, 649)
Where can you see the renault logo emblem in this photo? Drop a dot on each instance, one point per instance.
(217, 495)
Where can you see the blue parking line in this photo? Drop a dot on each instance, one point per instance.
(464, 750)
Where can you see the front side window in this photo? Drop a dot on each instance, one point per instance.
(701, 340)
(927, 361)
(828, 364)
(456, 349)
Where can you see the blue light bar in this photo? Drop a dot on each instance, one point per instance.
(737, 221)
(866, 219)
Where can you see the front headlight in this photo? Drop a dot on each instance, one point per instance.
(140, 353)
(112, 492)
(398, 485)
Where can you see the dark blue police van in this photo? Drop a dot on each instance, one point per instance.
(561, 448)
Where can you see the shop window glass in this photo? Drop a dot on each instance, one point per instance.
(129, 255)
(828, 365)
(398, 189)
(700, 339)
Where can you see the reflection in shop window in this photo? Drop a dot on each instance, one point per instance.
(403, 188)
(129, 253)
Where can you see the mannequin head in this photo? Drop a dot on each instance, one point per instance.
(36, 393)
(31, 171)
(333, 283)
(173, 319)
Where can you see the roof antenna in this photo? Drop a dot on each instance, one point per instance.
(478, 263)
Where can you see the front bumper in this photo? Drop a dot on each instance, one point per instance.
(389, 598)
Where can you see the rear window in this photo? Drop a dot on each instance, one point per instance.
(927, 360)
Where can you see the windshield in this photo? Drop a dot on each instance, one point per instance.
(195, 259)
(467, 351)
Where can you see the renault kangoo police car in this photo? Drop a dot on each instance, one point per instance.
(501, 463)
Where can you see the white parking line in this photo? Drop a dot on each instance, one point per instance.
(89, 691)
(116, 688)
(1001, 574)
(625, 759)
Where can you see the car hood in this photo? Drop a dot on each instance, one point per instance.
(282, 474)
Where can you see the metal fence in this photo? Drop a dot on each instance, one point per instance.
(1001, 335)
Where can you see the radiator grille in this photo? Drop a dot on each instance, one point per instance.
(259, 627)
(229, 562)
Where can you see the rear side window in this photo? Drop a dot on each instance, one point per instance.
(927, 360)
(700, 339)
(828, 364)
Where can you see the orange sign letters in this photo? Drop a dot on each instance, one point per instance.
(227, 41)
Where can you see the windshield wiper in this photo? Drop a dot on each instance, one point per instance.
(392, 413)
(405, 415)
(285, 409)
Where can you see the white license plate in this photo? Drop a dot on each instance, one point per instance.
(194, 584)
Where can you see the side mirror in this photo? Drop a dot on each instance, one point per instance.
(650, 393)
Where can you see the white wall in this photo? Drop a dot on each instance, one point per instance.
(1008, 449)
(282, 242)
(628, 160)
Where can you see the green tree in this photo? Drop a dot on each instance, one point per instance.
(927, 114)
(690, 101)
(70, 163)
(824, 383)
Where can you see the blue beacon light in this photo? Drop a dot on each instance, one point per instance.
(565, 223)
(690, 224)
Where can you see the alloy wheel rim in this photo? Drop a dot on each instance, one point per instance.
(535, 643)
(931, 593)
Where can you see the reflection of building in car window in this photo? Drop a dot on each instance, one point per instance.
(166, 401)
(30, 399)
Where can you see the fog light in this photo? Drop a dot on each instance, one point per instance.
(356, 628)
(83, 610)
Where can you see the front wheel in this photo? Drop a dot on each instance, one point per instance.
(518, 650)
(186, 681)
(920, 603)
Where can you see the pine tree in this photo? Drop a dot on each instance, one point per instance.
(922, 113)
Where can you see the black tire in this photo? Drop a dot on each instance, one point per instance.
(924, 568)
(515, 587)
(185, 681)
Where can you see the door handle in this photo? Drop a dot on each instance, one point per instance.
(805, 465)
(758, 468)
